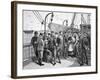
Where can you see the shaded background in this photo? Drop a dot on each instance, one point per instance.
(5, 41)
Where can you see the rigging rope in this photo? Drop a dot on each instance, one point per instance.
(37, 17)
(83, 19)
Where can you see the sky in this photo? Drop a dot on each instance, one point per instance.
(31, 22)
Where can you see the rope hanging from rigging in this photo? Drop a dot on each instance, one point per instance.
(38, 16)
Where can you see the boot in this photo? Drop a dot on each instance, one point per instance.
(40, 62)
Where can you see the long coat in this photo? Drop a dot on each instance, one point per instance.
(82, 50)
(40, 44)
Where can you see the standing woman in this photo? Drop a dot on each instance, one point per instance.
(70, 44)
(76, 43)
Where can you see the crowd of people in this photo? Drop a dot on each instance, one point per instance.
(52, 46)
